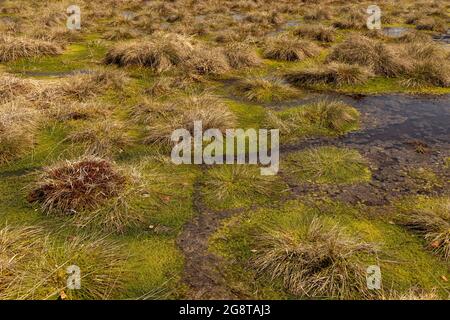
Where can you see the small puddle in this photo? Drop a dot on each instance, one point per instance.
(287, 25)
(385, 117)
(445, 38)
(395, 32)
(394, 117)
(291, 23)
(56, 74)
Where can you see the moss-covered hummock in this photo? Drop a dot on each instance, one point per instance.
(327, 165)
(240, 186)
(404, 264)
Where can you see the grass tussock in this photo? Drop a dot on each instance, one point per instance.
(316, 32)
(240, 55)
(318, 13)
(77, 110)
(166, 85)
(412, 295)
(12, 86)
(429, 65)
(72, 186)
(166, 51)
(207, 61)
(56, 34)
(352, 18)
(433, 224)
(105, 138)
(426, 73)
(182, 113)
(18, 126)
(431, 24)
(290, 49)
(338, 74)
(239, 186)
(325, 117)
(322, 262)
(83, 86)
(80, 86)
(13, 48)
(121, 33)
(261, 89)
(380, 58)
(33, 265)
(325, 165)
(161, 52)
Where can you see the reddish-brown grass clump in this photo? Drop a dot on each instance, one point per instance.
(72, 186)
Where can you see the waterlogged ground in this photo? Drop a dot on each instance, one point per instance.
(393, 127)
(199, 242)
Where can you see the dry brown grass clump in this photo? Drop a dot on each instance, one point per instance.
(260, 89)
(318, 13)
(207, 61)
(78, 111)
(322, 262)
(10, 26)
(434, 225)
(73, 186)
(12, 87)
(383, 60)
(290, 49)
(425, 73)
(334, 73)
(351, 18)
(166, 85)
(429, 65)
(161, 52)
(164, 51)
(227, 36)
(13, 48)
(414, 37)
(121, 33)
(316, 32)
(412, 294)
(182, 113)
(59, 34)
(240, 55)
(84, 85)
(103, 138)
(17, 130)
(33, 265)
(80, 86)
